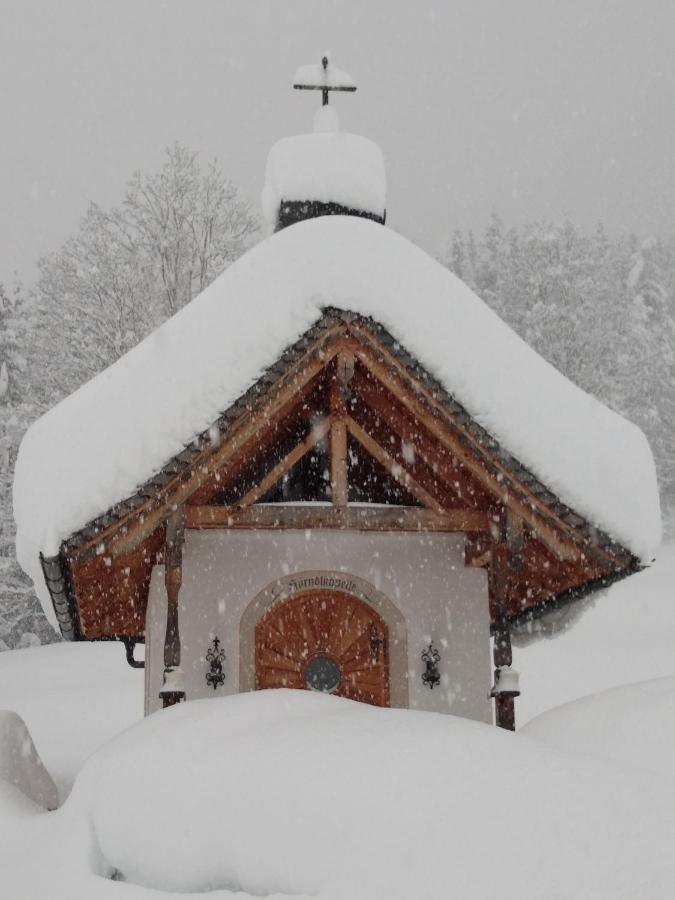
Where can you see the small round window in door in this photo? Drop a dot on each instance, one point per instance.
(323, 674)
(327, 641)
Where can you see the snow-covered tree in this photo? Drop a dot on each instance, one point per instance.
(491, 262)
(20, 617)
(125, 271)
(130, 267)
(601, 310)
(649, 374)
(12, 329)
(187, 224)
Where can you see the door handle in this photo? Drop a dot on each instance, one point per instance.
(375, 643)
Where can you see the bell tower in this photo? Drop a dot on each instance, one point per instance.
(326, 172)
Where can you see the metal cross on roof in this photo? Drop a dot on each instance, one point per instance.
(324, 78)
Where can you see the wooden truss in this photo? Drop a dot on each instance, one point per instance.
(347, 395)
(334, 429)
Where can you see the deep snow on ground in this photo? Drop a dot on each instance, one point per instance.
(73, 698)
(627, 636)
(631, 724)
(20, 763)
(316, 795)
(295, 793)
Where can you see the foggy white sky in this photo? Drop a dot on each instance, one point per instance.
(535, 108)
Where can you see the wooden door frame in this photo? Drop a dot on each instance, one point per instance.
(285, 588)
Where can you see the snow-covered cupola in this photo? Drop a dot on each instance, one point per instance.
(327, 172)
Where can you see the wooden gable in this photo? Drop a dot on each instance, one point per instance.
(346, 431)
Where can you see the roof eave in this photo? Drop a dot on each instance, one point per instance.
(576, 593)
(56, 569)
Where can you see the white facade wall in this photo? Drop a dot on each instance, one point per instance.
(435, 595)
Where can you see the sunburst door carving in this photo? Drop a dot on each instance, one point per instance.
(324, 640)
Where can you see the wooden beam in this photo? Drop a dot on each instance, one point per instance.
(514, 536)
(357, 518)
(339, 478)
(144, 521)
(172, 693)
(393, 467)
(249, 466)
(339, 473)
(432, 472)
(431, 455)
(563, 547)
(316, 435)
(478, 550)
(499, 578)
(418, 401)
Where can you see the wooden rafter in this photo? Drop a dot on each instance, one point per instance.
(393, 466)
(316, 435)
(249, 466)
(135, 528)
(421, 404)
(425, 471)
(558, 538)
(441, 464)
(387, 400)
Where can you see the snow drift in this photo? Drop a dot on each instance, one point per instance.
(631, 724)
(20, 763)
(442, 803)
(299, 793)
(73, 698)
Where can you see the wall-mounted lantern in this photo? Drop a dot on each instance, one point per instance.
(215, 657)
(431, 658)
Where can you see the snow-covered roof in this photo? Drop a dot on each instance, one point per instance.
(328, 166)
(98, 445)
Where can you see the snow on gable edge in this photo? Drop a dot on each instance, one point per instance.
(145, 408)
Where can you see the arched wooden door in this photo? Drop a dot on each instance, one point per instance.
(324, 640)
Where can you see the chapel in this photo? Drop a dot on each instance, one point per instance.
(336, 469)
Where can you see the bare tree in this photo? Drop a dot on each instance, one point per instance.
(129, 268)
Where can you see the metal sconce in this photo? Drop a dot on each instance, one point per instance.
(215, 657)
(431, 658)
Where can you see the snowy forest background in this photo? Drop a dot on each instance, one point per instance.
(599, 307)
